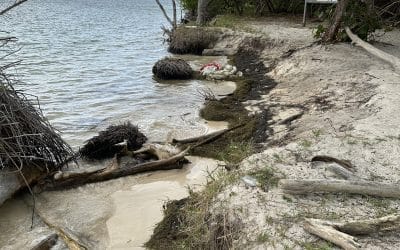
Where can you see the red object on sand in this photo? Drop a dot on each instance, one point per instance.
(213, 64)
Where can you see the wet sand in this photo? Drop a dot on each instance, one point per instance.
(138, 209)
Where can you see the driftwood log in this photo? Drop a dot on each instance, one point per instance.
(340, 186)
(327, 232)
(341, 233)
(342, 172)
(394, 61)
(112, 172)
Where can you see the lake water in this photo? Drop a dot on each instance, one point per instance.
(90, 61)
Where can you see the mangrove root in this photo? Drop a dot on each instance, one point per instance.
(340, 186)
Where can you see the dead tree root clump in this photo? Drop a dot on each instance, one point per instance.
(172, 69)
(104, 145)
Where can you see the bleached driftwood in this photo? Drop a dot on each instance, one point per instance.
(158, 150)
(394, 61)
(340, 186)
(339, 232)
(326, 231)
(342, 172)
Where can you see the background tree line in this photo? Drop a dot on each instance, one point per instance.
(362, 16)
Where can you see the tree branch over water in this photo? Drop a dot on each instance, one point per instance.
(17, 3)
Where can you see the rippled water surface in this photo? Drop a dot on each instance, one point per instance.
(89, 62)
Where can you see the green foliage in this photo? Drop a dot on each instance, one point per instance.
(190, 5)
(319, 31)
(363, 20)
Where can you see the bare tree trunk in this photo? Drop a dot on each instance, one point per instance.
(202, 11)
(333, 29)
(173, 22)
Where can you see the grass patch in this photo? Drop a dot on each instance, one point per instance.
(195, 222)
(235, 152)
(320, 245)
(306, 143)
(227, 21)
(267, 177)
(263, 237)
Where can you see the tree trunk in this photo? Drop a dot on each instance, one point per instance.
(333, 29)
(202, 12)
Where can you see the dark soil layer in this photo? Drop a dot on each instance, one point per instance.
(232, 110)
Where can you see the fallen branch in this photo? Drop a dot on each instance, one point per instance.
(365, 227)
(206, 138)
(394, 61)
(329, 233)
(68, 236)
(17, 3)
(172, 22)
(109, 173)
(340, 186)
(339, 232)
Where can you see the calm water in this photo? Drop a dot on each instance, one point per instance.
(89, 62)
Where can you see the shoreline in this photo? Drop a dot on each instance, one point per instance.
(329, 100)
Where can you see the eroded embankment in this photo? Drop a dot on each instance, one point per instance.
(333, 100)
(188, 223)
